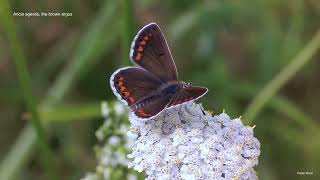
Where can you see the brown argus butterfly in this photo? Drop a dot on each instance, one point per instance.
(152, 86)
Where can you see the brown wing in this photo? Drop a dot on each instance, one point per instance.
(190, 93)
(151, 106)
(149, 50)
(132, 84)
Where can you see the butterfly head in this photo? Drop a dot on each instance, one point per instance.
(185, 85)
(174, 88)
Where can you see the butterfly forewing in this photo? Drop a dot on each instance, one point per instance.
(132, 84)
(150, 51)
(188, 94)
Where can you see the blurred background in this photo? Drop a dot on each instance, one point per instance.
(235, 48)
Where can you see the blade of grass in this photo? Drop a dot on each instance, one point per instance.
(311, 147)
(294, 34)
(89, 50)
(184, 23)
(86, 55)
(284, 76)
(127, 30)
(268, 45)
(280, 104)
(22, 147)
(198, 16)
(292, 111)
(67, 113)
(25, 83)
(54, 57)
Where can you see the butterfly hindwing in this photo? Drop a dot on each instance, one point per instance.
(132, 84)
(149, 50)
(186, 94)
(150, 106)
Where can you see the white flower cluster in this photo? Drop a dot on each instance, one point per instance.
(187, 143)
(112, 155)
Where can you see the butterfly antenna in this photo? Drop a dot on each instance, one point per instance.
(203, 112)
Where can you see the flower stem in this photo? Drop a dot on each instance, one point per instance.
(284, 76)
(25, 83)
(67, 113)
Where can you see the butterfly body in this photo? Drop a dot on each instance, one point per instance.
(171, 89)
(152, 86)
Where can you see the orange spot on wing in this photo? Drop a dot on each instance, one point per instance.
(122, 88)
(143, 42)
(150, 34)
(120, 78)
(139, 57)
(132, 99)
(146, 38)
(126, 94)
(141, 113)
(140, 49)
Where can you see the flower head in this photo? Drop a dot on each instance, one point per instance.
(185, 143)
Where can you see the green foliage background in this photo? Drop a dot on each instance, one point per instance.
(259, 59)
